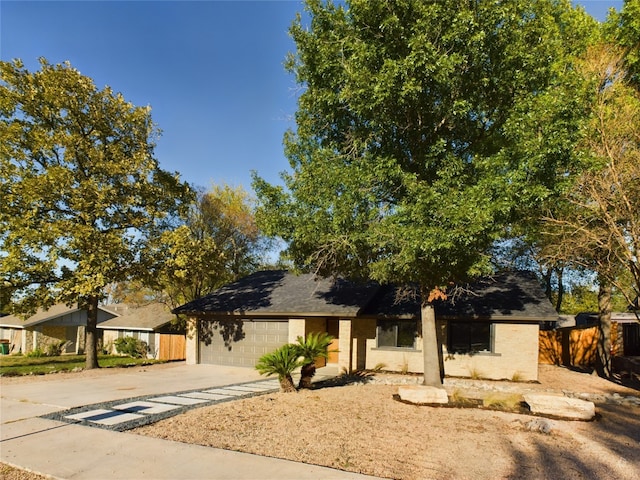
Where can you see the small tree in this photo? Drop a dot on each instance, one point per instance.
(216, 243)
(600, 227)
(281, 362)
(315, 346)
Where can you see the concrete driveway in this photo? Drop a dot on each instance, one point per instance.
(68, 451)
(58, 392)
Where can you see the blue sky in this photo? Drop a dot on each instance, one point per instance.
(212, 71)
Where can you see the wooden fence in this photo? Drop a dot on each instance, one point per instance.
(575, 347)
(172, 347)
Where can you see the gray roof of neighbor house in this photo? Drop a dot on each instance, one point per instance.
(42, 316)
(513, 296)
(275, 293)
(149, 317)
(508, 296)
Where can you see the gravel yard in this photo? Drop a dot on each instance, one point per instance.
(361, 428)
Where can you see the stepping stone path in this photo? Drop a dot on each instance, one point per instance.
(121, 415)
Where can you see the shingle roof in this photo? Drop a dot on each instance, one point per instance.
(507, 296)
(41, 316)
(149, 317)
(278, 292)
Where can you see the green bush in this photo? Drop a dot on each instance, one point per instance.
(281, 362)
(55, 349)
(37, 353)
(132, 347)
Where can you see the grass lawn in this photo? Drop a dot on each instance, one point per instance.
(23, 365)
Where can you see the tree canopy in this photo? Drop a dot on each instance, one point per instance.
(216, 242)
(404, 167)
(81, 190)
(600, 228)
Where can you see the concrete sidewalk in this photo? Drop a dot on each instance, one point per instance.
(67, 451)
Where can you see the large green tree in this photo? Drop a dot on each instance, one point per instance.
(401, 164)
(81, 191)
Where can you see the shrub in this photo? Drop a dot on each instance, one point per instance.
(131, 347)
(281, 362)
(379, 367)
(55, 349)
(36, 353)
(316, 345)
(508, 401)
(459, 398)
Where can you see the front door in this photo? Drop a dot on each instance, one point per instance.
(333, 330)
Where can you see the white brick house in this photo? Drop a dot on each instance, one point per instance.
(489, 330)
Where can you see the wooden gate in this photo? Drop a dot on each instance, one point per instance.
(172, 347)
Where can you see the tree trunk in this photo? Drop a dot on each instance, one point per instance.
(604, 342)
(546, 275)
(91, 334)
(559, 272)
(432, 347)
(286, 384)
(307, 372)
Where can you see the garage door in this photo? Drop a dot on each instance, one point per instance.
(260, 337)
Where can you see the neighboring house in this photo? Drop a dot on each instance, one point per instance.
(59, 323)
(488, 329)
(153, 324)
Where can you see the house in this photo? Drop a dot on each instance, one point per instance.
(153, 324)
(488, 328)
(60, 323)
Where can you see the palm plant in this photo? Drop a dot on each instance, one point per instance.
(316, 345)
(281, 362)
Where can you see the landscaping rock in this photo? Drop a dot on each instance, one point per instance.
(423, 394)
(560, 406)
(541, 425)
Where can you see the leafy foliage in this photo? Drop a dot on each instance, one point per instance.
(600, 228)
(314, 346)
(623, 29)
(281, 362)
(404, 167)
(217, 242)
(55, 349)
(132, 347)
(400, 133)
(81, 191)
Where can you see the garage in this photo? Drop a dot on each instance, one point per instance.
(240, 343)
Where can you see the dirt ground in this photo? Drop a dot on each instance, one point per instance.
(361, 428)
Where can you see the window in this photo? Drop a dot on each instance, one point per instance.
(469, 337)
(397, 333)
